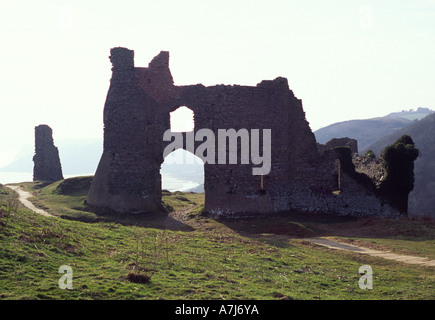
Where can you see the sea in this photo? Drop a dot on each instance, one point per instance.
(168, 182)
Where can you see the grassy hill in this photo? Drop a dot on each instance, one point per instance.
(184, 254)
(422, 198)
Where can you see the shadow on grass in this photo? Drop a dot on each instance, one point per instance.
(295, 225)
(156, 220)
(291, 224)
(272, 228)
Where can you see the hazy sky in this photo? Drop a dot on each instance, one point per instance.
(345, 59)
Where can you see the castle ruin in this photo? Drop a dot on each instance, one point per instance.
(46, 160)
(137, 111)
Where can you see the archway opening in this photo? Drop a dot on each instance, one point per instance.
(182, 171)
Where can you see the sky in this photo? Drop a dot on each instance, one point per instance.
(346, 59)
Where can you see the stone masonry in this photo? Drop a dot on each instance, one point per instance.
(46, 160)
(137, 113)
(339, 142)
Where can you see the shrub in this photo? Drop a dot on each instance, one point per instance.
(370, 154)
(8, 208)
(398, 160)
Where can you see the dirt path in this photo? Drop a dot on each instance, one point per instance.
(376, 253)
(23, 197)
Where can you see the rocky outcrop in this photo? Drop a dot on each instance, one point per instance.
(46, 160)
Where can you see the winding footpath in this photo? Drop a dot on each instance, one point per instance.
(23, 196)
(376, 253)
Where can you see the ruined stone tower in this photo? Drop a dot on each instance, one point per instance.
(46, 160)
(137, 114)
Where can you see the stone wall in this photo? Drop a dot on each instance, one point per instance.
(372, 167)
(339, 142)
(136, 115)
(46, 160)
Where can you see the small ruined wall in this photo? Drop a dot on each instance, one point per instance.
(328, 190)
(46, 160)
(372, 167)
(339, 142)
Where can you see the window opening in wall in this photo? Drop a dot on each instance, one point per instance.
(182, 120)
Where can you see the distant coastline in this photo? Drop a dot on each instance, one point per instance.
(15, 177)
(168, 182)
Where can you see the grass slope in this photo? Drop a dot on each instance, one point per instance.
(190, 256)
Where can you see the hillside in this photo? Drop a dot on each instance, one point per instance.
(422, 198)
(411, 114)
(186, 255)
(368, 131)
